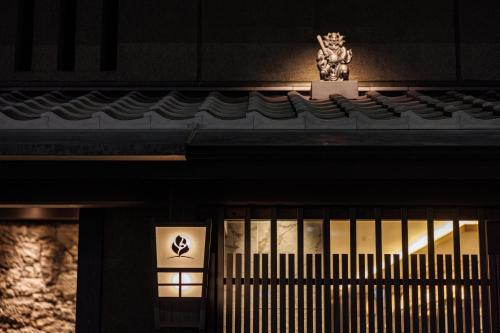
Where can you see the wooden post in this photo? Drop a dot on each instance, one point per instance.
(90, 246)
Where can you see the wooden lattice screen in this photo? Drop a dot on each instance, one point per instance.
(366, 303)
(359, 292)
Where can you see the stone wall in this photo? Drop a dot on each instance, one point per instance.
(38, 272)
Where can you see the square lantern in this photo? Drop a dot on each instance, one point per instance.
(181, 268)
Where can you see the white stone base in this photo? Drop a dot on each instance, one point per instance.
(323, 89)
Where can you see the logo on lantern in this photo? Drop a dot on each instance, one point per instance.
(180, 247)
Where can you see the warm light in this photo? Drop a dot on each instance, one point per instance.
(441, 231)
(190, 284)
(186, 278)
(168, 277)
(194, 278)
(180, 247)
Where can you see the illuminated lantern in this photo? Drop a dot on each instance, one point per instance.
(181, 269)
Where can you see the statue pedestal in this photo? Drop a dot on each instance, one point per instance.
(323, 89)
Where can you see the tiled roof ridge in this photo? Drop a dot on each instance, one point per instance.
(176, 110)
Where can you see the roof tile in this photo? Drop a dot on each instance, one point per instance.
(177, 110)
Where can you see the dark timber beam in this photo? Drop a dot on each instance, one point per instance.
(88, 303)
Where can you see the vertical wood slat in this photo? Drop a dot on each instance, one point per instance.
(300, 270)
(423, 293)
(319, 298)
(475, 294)
(309, 293)
(397, 294)
(388, 294)
(467, 294)
(466, 283)
(291, 293)
(246, 287)
(457, 272)
(336, 293)
(497, 291)
(345, 293)
(282, 298)
(91, 231)
(220, 269)
(256, 292)
(274, 272)
(378, 262)
(229, 293)
(449, 293)
(440, 292)
(265, 293)
(371, 299)
(237, 292)
(362, 294)
(211, 315)
(495, 321)
(414, 292)
(353, 251)
(327, 271)
(432, 270)
(406, 286)
(483, 262)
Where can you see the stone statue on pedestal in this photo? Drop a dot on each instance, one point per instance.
(333, 57)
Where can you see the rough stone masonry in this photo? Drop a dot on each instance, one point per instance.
(38, 271)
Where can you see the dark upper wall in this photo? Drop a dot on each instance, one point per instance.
(260, 40)
(480, 37)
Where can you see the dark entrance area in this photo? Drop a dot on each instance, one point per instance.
(296, 244)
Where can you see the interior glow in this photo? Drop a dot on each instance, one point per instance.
(193, 278)
(444, 229)
(193, 258)
(178, 249)
(167, 277)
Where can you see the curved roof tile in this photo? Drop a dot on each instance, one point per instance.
(255, 110)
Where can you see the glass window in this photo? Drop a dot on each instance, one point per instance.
(443, 237)
(260, 238)
(469, 237)
(168, 277)
(168, 291)
(287, 237)
(391, 237)
(339, 236)
(191, 291)
(192, 278)
(417, 237)
(313, 236)
(176, 284)
(365, 237)
(234, 236)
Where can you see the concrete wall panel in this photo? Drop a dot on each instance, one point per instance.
(45, 36)
(157, 40)
(8, 28)
(263, 41)
(391, 40)
(480, 37)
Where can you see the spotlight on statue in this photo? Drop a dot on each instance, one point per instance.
(332, 60)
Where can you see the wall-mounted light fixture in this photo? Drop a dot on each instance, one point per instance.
(181, 272)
